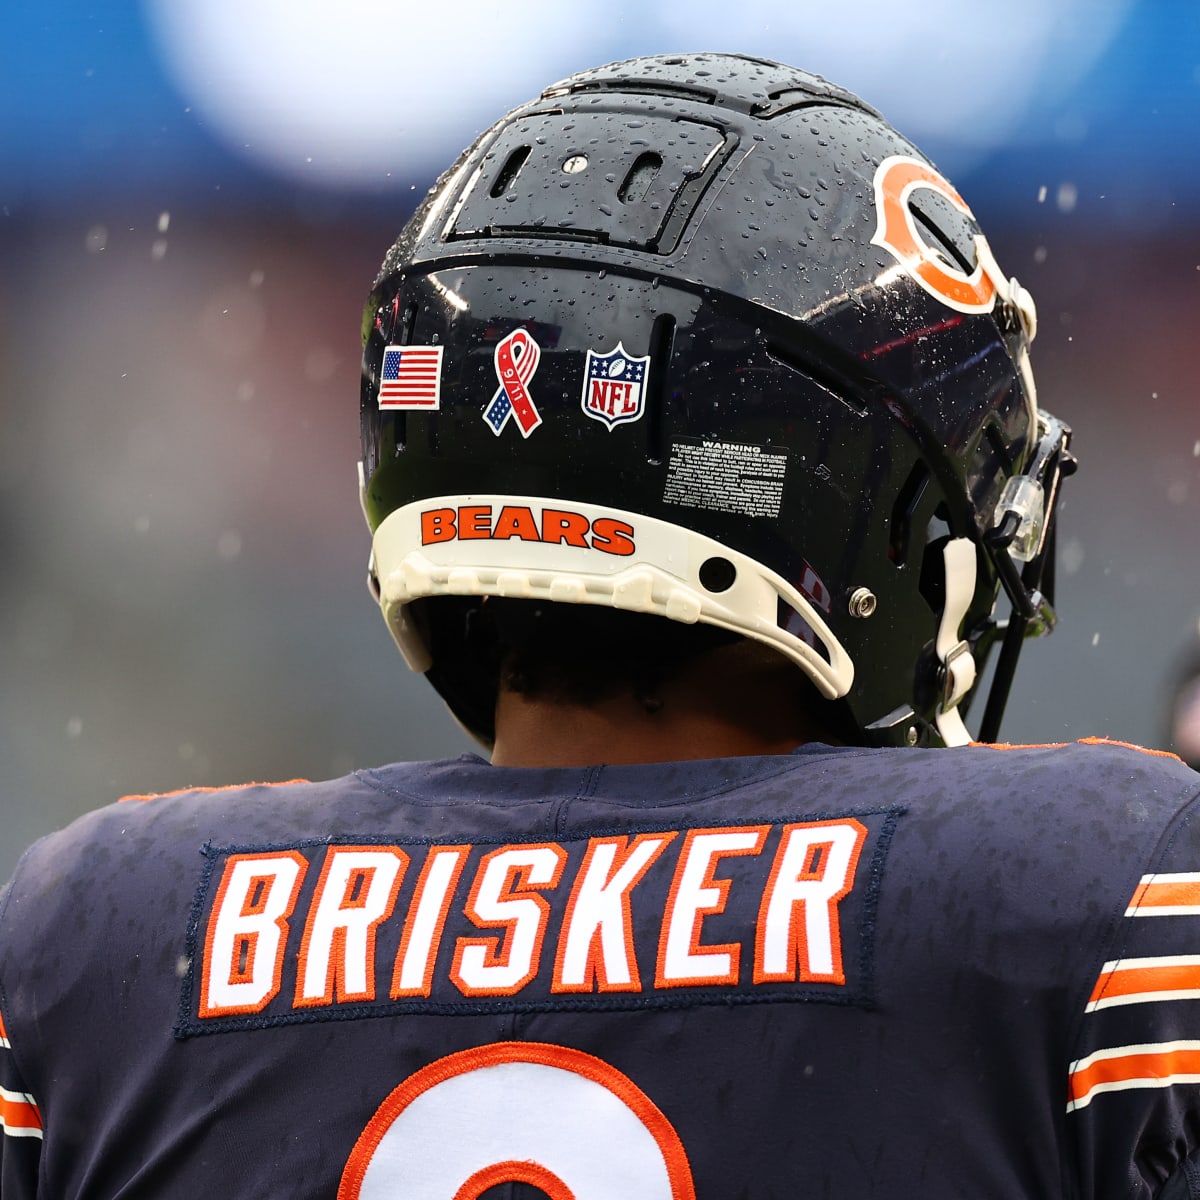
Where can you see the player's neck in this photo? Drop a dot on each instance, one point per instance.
(706, 713)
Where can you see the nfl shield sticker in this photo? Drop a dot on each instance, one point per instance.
(411, 377)
(614, 386)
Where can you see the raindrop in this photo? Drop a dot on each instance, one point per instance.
(1072, 556)
(96, 239)
(74, 727)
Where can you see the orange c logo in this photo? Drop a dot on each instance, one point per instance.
(895, 180)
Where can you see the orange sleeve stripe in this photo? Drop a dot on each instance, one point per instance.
(1133, 1067)
(1148, 982)
(229, 787)
(18, 1113)
(1165, 891)
(3, 1031)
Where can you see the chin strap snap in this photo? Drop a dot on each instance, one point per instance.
(954, 654)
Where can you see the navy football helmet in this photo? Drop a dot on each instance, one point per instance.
(703, 336)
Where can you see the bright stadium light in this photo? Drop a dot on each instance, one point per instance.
(362, 91)
(943, 70)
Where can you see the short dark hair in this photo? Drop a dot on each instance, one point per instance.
(578, 654)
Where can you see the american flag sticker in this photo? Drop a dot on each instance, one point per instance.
(411, 377)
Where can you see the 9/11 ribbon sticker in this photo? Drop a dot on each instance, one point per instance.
(516, 359)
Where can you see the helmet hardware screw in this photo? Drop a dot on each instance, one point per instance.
(911, 735)
(862, 602)
(575, 164)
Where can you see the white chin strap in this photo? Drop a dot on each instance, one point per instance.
(538, 548)
(953, 653)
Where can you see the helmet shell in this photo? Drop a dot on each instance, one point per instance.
(726, 337)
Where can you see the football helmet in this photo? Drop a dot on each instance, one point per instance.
(703, 336)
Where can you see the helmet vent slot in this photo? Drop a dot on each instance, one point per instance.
(644, 180)
(407, 323)
(641, 175)
(933, 562)
(824, 376)
(404, 336)
(662, 344)
(678, 91)
(903, 511)
(509, 172)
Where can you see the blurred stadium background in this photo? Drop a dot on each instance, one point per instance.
(194, 197)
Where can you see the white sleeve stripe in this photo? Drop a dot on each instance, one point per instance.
(19, 1116)
(1140, 1048)
(1141, 980)
(1164, 910)
(1158, 960)
(1144, 1065)
(1142, 998)
(30, 1131)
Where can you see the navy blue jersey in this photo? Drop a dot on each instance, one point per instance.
(847, 972)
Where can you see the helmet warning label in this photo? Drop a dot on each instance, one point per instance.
(731, 477)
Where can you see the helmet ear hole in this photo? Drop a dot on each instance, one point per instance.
(717, 574)
(933, 566)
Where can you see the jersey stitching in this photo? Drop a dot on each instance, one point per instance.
(874, 882)
(499, 1007)
(863, 997)
(586, 790)
(368, 777)
(658, 826)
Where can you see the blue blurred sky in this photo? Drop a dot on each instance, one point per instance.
(199, 99)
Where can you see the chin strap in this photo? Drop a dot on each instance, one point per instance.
(958, 664)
